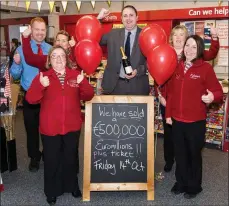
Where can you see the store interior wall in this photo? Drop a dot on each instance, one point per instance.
(2, 34)
(86, 7)
(14, 32)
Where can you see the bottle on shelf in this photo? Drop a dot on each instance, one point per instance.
(126, 63)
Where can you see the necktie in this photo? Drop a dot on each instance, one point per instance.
(39, 50)
(127, 45)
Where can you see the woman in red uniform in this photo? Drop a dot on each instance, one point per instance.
(192, 86)
(59, 91)
(177, 38)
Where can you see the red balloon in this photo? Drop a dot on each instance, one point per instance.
(88, 27)
(151, 36)
(88, 55)
(162, 62)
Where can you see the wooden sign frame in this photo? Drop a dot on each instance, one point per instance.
(149, 185)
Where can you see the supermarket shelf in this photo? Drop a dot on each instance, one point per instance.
(159, 131)
(212, 146)
(213, 141)
(158, 117)
(215, 129)
(215, 112)
(212, 126)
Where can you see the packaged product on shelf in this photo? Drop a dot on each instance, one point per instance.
(158, 126)
(93, 83)
(82, 103)
(215, 119)
(99, 89)
(214, 135)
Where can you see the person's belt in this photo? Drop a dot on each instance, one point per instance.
(124, 79)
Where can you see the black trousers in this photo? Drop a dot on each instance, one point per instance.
(4, 159)
(61, 164)
(168, 139)
(31, 121)
(189, 139)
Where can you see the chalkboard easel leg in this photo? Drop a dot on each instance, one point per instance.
(150, 194)
(86, 195)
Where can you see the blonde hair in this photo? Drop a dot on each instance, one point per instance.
(63, 33)
(38, 19)
(48, 62)
(182, 27)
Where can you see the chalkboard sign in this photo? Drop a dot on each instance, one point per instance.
(119, 144)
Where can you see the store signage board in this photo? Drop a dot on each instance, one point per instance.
(189, 13)
(119, 144)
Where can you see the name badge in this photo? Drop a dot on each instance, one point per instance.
(72, 83)
(194, 76)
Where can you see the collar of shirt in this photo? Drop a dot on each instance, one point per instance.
(59, 74)
(187, 64)
(34, 44)
(133, 32)
(179, 56)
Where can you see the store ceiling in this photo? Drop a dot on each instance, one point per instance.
(33, 5)
(20, 6)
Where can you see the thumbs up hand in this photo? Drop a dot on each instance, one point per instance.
(72, 42)
(44, 80)
(208, 98)
(80, 77)
(17, 58)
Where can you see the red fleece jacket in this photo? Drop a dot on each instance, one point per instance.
(208, 55)
(60, 111)
(185, 91)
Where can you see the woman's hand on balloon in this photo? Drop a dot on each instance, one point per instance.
(80, 77)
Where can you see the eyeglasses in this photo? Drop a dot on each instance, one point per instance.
(62, 56)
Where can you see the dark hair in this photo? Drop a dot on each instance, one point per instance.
(200, 47)
(131, 7)
(15, 41)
